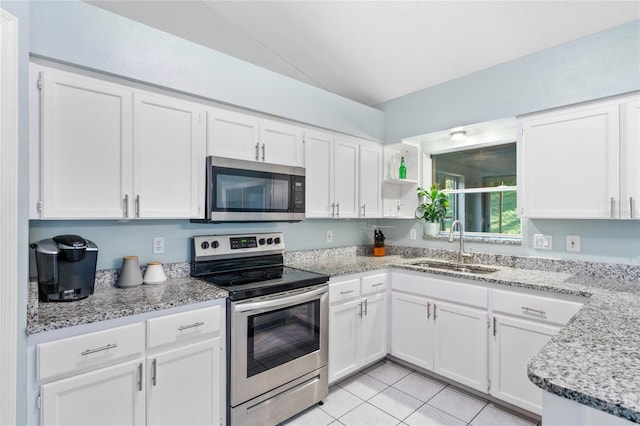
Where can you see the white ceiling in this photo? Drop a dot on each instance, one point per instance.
(373, 51)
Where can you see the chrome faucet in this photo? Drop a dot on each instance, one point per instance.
(461, 253)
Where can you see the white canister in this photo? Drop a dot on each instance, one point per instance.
(154, 273)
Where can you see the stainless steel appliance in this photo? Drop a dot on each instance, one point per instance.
(277, 325)
(250, 191)
(66, 268)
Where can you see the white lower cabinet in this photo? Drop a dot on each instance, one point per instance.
(108, 378)
(357, 323)
(441, 326)
(522, 324)
(109, 396)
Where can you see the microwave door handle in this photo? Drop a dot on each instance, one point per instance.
(280, 302)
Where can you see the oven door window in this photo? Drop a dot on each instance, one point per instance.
(280, 336)
(244, 190)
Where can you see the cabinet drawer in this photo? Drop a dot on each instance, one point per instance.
(534, 307)
(374, 284)
(89, 351)
(183, 326)
(344, 290)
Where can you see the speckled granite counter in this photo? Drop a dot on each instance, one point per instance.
(594, 360)
(109, 302)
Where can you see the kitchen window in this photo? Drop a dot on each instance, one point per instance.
(482, 188)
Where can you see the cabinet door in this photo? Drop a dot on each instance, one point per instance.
(184, 385)
(370, 180)
(86, 147)
(629, 160)
(233, 135)
(344, 339)
(411, 333)
(318, 154)
(345, 157)
(569, 163)
(168, 161)
(374, 328)
(109, 396)
(281, 143)
(461, 344)
(514, 344)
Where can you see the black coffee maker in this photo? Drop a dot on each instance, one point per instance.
(66, 268)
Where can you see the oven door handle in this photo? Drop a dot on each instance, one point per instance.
(281, 301)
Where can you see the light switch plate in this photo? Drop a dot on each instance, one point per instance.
(573, 243)
(542, 242)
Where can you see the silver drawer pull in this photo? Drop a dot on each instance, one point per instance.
(346, 292)
(377, 285)
(195, 324)
(100, 349)
(537, 311)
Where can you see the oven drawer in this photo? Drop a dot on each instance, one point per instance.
(374, 284)
(344, 290)
(534, 307)
(183, 326)
(89, 351)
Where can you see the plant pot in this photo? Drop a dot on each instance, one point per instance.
(430, 229)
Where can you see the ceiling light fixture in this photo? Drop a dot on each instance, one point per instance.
(458, 134)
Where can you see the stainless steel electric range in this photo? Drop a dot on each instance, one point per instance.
(277, 326)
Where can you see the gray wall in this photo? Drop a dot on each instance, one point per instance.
(596, 66)
(81, 34)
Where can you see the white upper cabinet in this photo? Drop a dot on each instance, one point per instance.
(111, 152)
(630, 161)
(318, 151)
(572, 163)
(246, 137)
(345, 171)
(86, 147)
(167, 155)
(370, 180)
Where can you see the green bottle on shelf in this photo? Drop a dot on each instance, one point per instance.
(402, 172)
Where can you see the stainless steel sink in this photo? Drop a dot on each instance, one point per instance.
(472, 269)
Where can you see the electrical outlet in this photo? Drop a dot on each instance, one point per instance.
(412, 234)
(573, 243)
(542, 242)
(329, 236)
(158, 245)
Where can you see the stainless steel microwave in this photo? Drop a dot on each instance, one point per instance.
(251, 191)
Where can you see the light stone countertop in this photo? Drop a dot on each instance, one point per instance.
(595, 358)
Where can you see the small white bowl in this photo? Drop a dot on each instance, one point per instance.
(154, 273)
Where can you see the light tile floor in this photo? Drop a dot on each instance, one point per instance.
(388, 394)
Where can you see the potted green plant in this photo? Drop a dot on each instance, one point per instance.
(431, 209)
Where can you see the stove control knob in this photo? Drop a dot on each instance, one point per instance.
(269, 240)
(215, 244)
(204, 245)
(261, 241)
(277, 240)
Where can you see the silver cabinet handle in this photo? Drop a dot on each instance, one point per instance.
(630, 207)
(126, 205)
(257, 151)
(154, 371)
(366, 306)
(333, 209)
(377, 284)
(613, 204)
(338, 207)
(434, 311)
(364, 210)
(195, 324)
(537, 311)
(360, 311)
(263, 150)
(137, 205)
(140, 377)
(100, 349)
(346, 292)
(428, 310)
(494, 326)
